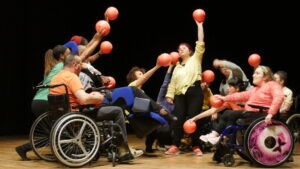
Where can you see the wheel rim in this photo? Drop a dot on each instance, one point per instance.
(269, 145)
(75, 140)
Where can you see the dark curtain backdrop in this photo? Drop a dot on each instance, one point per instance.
(144, 29)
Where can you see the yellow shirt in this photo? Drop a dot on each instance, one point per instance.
(184, 76)
(206, 96)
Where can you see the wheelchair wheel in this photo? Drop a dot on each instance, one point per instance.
(228, 160)
(294, 124)
(75, 139)
(39, 137)
(268, 145)
(113, 158)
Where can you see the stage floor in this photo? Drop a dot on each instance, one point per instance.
(9, 159)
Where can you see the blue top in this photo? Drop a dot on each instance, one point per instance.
(161, 98)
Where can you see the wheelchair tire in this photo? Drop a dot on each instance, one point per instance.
(268, 145)
(39, 137)
(113, 158)
(228, 160)
(294, 124)
(75, 139)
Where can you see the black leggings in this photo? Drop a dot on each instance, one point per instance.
(39, 107)
(116, 114)
(229, 117)
(187, 106)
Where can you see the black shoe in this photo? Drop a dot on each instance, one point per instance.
(126, 157)
(22, 153)
(149, 150)
(290, 159)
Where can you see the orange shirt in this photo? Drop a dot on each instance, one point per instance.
(71, 80)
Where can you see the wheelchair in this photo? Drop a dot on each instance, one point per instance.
(255, 141)
(294, 124)
(73, 138)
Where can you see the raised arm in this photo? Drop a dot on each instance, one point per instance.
(140, 81)
(90, 49)
(200, 31)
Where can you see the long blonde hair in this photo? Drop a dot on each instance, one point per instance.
(50, 62)
(268, 74)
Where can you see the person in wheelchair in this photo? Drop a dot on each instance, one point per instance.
(281, 77)
(234, 85)
(78, 96)
(266, 93)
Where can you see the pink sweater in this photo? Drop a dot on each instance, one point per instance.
(269, 95)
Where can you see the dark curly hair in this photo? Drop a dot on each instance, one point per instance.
(130, 77)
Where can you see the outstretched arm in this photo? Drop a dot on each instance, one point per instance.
(90, 49)
(146, 76)
(207, 113)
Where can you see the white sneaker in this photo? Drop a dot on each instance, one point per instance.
(136, 153)
(213, 139)
(204, 138)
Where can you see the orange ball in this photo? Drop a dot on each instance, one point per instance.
(189, 126)
(215, 101)
(164, 59)
(175, 57)
(254, 60)
(208, 76)
(103, 27)
(199, 15)
(111, 83)
(106, 47)
(112, 13)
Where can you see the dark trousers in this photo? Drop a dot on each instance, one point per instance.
(38, 107)
(229, 117)
(162, 135)
(116, 114)
(187, 106)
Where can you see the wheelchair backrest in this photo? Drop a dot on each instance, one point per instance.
(58, 105)
(125, 93)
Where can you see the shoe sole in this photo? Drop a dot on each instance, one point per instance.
(172, 153)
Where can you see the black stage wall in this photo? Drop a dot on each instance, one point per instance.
(144, 29)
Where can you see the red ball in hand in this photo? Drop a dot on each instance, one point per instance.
(199, 15)
(215, 101)
(189, 126)
(103, 27)
(254, 60)
(112, 13)
(106, 47)
(164, 59)
(208, 76)
(175, 57)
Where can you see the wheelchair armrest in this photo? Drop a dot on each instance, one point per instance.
(260, 108)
